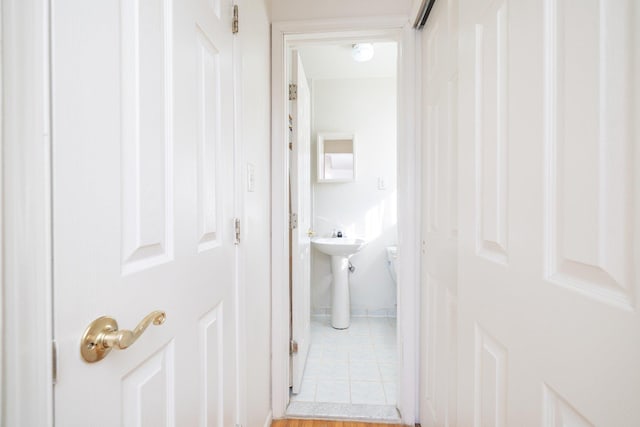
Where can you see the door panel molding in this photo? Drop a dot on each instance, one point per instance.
(490, 395)
(147, 149)
(143, 388)
(578, 252)
(211, 366)
(557, 412)
(209, 119)
(491, 134)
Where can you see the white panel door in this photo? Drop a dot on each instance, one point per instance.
(549, 277)
(439, 217)
(143, 192)
(300, 176)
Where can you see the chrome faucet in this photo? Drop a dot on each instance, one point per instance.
(337, 233)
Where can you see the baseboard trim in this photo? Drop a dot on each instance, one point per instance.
(386, 314)
(380, 414)
(269, 419)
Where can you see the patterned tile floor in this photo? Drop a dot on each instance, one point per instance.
(354, 366)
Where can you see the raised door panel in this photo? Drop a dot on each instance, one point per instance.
(452, 153)
(209, 136)
(215, 6)
(148, 391)
(588, 149)
(557, 412)
(211, 377)
(146, 134)
(431, 341)
(450, 343)
(491, 133)
(434, 49)
(490, 395)
(434, 167)
(440, 353)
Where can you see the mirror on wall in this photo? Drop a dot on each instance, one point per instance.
(336, 157)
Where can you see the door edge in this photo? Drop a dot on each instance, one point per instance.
(26, 215)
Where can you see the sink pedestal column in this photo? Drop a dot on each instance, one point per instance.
(340, 250)
(340, 310)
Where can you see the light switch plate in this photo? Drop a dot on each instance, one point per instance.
(382, 183)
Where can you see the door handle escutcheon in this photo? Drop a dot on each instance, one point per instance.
(102, 335)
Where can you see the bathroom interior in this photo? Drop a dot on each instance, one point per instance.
(351, 365)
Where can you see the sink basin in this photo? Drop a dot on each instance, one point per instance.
(338, 246)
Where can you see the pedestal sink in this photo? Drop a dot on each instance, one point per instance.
(340, 250)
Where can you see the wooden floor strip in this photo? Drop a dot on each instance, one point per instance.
(323, 423)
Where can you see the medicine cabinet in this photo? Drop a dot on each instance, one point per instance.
(336, 157)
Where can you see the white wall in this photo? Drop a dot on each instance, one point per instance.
(291, 10)
(366, 107)
(256, 116)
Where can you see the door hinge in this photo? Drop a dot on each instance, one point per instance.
(293, 220)
(234, 25)
(236, 228)
(54, 361)
(293, 347)
(293, 92)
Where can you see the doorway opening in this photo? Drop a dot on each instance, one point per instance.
(344, 334)
(343, 240)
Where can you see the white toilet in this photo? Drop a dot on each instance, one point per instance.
(392, 262)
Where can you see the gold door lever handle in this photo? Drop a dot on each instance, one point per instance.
(102, 335)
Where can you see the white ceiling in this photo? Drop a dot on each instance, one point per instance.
(334, 61)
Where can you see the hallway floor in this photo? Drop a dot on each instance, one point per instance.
(350, 370)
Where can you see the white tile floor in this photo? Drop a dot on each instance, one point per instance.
(353, 366)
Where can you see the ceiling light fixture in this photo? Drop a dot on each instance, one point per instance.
(362, 52)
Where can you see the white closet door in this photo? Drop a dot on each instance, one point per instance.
(143, 206)
(549, 277)
(438, 362)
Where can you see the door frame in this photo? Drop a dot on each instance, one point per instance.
(385, 27)
(26, 217)
(241, 410)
